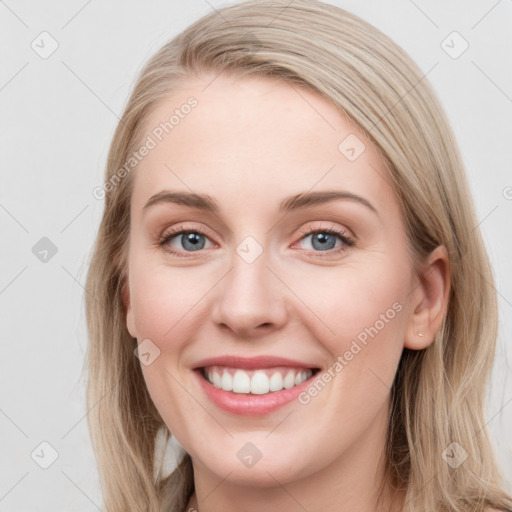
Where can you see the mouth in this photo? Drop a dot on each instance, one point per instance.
(255, 385)
(261, 381)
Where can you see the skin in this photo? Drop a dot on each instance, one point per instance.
(248, 144)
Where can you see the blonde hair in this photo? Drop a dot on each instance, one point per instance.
(438, 393)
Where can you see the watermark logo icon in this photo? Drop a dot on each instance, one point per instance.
(44, 45)
(251, 42)
(454, 455)
(249, 249)
(454, 45)
(44, 250)
(351, 147)
(147, 352)
(249, 455)
(44, 455)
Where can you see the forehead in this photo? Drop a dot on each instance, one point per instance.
(257, 139)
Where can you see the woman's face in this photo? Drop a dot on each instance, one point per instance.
(262, 292)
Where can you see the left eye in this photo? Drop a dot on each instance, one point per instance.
(322, 240)
(325, 239)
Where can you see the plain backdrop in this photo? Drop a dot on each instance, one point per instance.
(58, 115)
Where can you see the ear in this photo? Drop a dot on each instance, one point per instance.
(430, 300)
(130, 323)
(120, 263)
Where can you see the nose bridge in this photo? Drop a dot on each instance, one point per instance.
(250, 296)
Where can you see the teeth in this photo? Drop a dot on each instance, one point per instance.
(256, 382)
(289, 380)
(276, 382)
(260, 384)
(241, 382)
(226, 382)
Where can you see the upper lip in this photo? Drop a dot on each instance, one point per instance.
(252, 363)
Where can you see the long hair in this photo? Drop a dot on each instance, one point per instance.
(438, 394)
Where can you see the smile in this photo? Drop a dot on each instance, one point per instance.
(257, 382)
(252, 386)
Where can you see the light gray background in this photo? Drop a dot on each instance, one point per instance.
(58, 116)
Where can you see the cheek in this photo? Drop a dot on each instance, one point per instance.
(162, 300)
(362, 316)
(362, 327)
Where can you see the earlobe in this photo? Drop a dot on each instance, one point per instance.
(430, 300)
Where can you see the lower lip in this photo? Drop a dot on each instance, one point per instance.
(246, 404)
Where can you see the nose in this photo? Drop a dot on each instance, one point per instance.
(250, 299)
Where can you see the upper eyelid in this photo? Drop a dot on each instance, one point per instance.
(303, 230)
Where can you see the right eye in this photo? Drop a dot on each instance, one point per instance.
(189, 240)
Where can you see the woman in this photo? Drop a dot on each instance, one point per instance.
(288, 278)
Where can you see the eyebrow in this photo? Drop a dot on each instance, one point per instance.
(296, 202)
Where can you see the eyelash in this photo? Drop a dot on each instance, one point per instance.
(346, 239)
